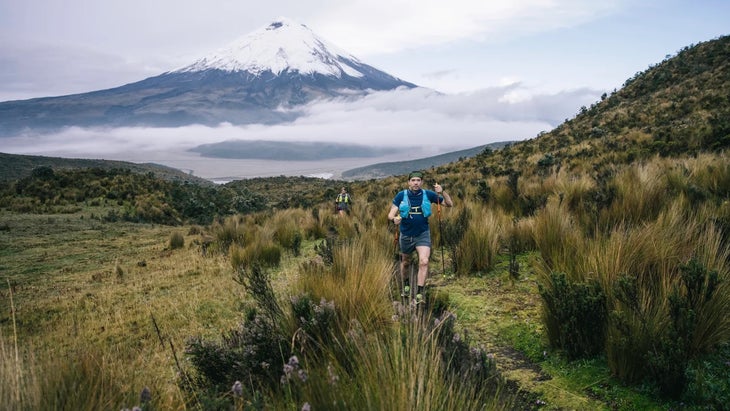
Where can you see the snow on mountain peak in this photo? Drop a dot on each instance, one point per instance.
(283, 44)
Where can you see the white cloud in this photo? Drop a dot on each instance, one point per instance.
(401, 118)
(368, 27)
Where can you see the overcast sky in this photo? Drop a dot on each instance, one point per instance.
(510, 68)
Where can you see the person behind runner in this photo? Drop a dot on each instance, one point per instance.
(342, 202)
(414, 230)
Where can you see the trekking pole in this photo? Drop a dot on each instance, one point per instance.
(398, 257)
(441, 237)
(395, 240)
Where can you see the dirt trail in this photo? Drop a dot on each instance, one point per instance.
(486, 305)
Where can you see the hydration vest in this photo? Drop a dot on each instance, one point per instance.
(343, 198)
(405, 205)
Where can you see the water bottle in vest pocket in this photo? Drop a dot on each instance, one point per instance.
(405, 205)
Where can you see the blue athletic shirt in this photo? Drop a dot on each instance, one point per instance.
(415, 223)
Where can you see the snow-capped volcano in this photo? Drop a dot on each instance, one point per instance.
(282, 65)
(282, 45)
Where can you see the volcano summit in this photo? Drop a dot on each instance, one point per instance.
(261, 78)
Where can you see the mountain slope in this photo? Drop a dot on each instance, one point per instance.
(393, 168)
(680, 106)
(16, 166)
(260, 78)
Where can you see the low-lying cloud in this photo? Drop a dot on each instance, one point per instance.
(429, 121)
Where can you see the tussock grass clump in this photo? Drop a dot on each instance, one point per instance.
(452, 232)
(640, 192)
(263, 252)
(412, 368)
(520, 235)
(176, 241)
(344, 227)
(577, 193)
(288, 227)
(368, 215)
(503, 195)
(231, 230)
(482, 241)
(532, 195)
(316, 228)
(357, 281)
(711, 173)
(650, 298)
(558, 237)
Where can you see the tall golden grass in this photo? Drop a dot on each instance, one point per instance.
(405, 371)
(483, 240)
(558, 238)
(358, 282)
(289, 226)
(640, 193)
(652, 234)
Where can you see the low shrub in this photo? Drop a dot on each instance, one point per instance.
(253, 351)
(575, 315)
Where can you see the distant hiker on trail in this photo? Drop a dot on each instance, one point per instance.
(342, 203)
(410, 210)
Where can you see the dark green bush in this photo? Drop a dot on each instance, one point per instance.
(325, 250)
(252, 353)
(671, 356)
(316, 322)
(665, 363)
(484, 191)
(708, 384)
(576, 315)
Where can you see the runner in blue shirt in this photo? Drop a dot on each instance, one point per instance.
(414, 230)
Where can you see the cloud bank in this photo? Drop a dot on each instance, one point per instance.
(421, 118)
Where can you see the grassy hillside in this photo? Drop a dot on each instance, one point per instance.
(16, 166)
(394, 168)
(586, 268)
(675, 108)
